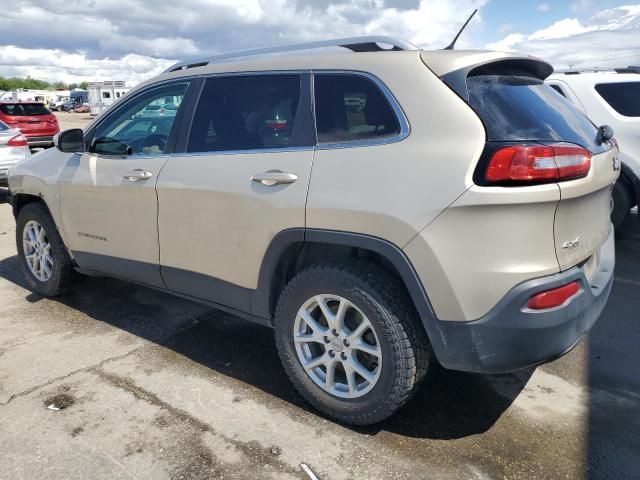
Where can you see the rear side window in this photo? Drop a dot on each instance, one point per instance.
(3, 127)
(249, 112)
(521, 108)
(24, 109)
(623, 97)
(352, 108)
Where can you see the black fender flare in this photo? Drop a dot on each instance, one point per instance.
(262, 299)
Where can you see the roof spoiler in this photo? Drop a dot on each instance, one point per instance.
(457, 79)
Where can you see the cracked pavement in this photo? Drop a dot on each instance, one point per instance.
(157, 387)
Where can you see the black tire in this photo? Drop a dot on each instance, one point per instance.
(403, 341)
(622, 203)
(62, 272)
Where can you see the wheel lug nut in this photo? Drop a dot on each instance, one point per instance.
(326, 340)
(332, 353)
(343, 356)
(334, 332)
(346, 342)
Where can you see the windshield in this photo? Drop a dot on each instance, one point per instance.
(522, 108)
(24, 109)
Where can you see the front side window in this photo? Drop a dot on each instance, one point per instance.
(140, 126)
(249, 112)
(623, 97)
(352, 108)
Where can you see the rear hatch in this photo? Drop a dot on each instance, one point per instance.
(32, 119)
(544, 139)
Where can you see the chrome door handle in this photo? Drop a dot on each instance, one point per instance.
(137, 175)
(273, 178)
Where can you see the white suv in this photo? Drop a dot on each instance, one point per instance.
(377, 208)
(612, 98)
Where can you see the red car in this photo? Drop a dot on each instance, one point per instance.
(33, 120)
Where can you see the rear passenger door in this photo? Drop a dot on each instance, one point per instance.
(237, 180)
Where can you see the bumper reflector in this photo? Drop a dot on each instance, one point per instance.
(553, 298)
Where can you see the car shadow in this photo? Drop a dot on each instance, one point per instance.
(246, 351)
(613, 357)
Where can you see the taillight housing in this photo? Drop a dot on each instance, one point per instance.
(534, 163)
(18, 141)
(554, 298)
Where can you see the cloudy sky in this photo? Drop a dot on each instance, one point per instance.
(75, 40)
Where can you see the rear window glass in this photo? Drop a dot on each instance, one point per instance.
(24, 109)
(520, 108)
(623, 97)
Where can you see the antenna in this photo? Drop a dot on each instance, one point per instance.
(453, 44)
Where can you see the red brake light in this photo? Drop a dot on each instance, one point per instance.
(276, 124)
(18, 141)
(553, 298)
(538, 163)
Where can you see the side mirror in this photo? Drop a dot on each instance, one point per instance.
(605, 133)
(70, 141)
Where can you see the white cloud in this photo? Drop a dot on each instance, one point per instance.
(610, 38)
(100, 39)
(544, 7)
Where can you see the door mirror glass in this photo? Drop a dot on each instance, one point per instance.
(142, 125)
(70, 141)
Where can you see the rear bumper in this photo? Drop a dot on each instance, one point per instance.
(40, 141)
(512, 337)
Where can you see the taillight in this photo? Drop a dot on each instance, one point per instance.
(18, 141)
(534, 163)
(553, 298)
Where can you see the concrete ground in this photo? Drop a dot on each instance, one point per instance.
(150, 386)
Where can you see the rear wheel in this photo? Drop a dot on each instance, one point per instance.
(622, 203)
(349, 339)
(44, 258)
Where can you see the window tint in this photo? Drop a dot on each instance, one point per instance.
(134, 128)
(245, 113)
(520, 108)
(558, 89)
(351, 108)
(624, 97)
(24, 109)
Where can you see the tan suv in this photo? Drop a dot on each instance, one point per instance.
(380, 209)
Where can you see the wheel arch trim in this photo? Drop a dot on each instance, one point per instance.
(262, 303)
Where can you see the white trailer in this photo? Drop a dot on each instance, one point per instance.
(104, 94)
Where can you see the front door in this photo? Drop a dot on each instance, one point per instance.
(242, 179)
(108, 197)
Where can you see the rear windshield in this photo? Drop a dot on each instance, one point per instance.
(623, 97)
(24, 109)
(521, 108)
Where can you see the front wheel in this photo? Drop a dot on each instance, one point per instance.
(350, 341)
(44, 258)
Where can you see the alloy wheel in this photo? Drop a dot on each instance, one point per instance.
(337, 346)
(37, 251)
